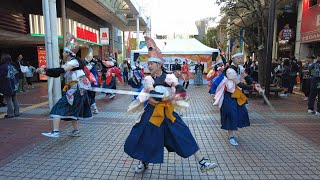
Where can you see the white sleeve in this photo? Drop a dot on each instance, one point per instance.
(231, 74)
(171, 79)
(148, 83)
(73, 63)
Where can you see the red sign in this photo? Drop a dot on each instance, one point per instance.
(310, 37)
(42, 60)
(310, 18)
(104, 35)
(86, 35)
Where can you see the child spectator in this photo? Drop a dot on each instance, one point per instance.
(29, 74)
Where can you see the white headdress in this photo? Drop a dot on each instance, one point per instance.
(237, 55)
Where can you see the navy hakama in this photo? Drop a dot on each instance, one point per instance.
(233, 116)
(146, 141)
(80, 108)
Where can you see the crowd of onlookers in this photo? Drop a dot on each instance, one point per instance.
(288, 71)
(15, 74)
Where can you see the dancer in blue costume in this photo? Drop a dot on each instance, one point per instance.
(74, 104)
(92, 73)
(159, 126)
(136, 80)
(231, 100)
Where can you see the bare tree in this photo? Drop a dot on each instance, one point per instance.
(250, 16)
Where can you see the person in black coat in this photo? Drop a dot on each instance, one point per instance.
(176, 68)
(9, 85)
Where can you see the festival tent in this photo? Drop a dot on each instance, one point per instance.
(182, 49)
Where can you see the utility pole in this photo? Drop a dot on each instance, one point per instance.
(52, 48)
(272, 9)
(63, 21)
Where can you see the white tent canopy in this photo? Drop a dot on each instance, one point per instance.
(172, 48)
(178, 46)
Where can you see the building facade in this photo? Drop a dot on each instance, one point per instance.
(308, 34)
(96, 24)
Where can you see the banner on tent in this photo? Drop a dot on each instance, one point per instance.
(169, 59)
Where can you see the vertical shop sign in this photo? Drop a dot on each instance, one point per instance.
(104, 36)
(42, 61)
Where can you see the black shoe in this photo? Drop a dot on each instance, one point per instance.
(6, 116)
(3, 105)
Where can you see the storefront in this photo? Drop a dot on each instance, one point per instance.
(310, 28)
(286, 30)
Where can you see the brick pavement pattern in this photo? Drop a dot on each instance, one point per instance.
(278, 145)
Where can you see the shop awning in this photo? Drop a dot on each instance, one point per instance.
(120, 13)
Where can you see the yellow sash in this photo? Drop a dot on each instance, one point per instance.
(162, 110)
(67, 86)
(241, 98)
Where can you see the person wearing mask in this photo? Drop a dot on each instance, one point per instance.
(9, 85)
(314, 87)
(29, 74)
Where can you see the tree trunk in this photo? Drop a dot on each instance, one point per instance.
(261, 67)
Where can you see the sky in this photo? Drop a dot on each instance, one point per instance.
(178, 16)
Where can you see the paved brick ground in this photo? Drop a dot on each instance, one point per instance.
(283, 144)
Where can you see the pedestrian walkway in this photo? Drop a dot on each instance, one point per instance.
(281, 144)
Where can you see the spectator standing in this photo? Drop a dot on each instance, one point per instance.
(9, 85)
(286, 77)
(176, 68)
(293, 76)
(185, 74)
(247, 66)
(22, 79)
(198, 74)
(125, 68)
(306, 78)
(278, 73)
(314, 87)
(29, 74)
(254, 68)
